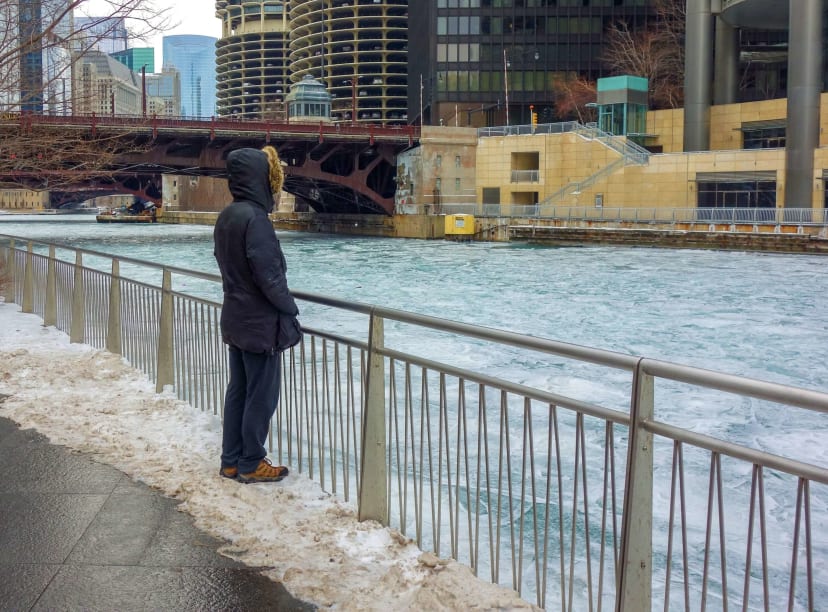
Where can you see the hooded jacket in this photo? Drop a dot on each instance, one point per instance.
(253, 268)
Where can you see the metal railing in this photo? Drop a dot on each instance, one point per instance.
(629, 150)
(528, 130)
(632, 152)
(525, 176)
(712, 217)
(576, 504)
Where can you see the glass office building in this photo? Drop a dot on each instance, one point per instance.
(194, 57)
(469, 56)
(106, 34)
(38, 77)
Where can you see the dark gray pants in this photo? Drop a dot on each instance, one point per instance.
(250, 401)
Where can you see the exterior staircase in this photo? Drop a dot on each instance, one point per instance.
(630, 153)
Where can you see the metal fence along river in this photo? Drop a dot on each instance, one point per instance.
(575, 504)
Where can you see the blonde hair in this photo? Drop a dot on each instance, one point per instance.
(277, 175)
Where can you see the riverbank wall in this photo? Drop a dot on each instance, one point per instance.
(783, 238)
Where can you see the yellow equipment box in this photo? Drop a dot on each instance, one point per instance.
(459, 225)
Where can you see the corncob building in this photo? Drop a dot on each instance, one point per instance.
(358, 50)
(252, 67)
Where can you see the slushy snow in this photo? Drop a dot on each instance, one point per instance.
(95, 402)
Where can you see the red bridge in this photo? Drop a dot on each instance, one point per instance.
(335, 168)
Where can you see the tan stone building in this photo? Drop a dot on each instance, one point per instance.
(579, 166)
(23, 200)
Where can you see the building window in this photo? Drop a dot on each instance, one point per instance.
(491, 195)
(457, 162)
(438, 161)
(457, 185)
(764, 138)
(752, 191)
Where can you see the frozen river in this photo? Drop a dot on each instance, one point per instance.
(755, 314)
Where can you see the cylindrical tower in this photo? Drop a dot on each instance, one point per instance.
(252, 59)
(358, 49)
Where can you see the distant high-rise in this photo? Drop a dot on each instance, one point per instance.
(194, 58)
(106, 34)
(252, 59)
(136, 58)
(41, 79)
(164, 93)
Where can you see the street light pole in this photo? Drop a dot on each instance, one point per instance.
(353, 100)
(144, 90)
(506, 85)
(421, 99)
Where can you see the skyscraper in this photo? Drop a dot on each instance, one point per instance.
(359, 51)
(41, 42)
(252, 59)
(468, 61)
(107, 34)
(194, 58)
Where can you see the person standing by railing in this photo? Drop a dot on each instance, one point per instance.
(256, 297)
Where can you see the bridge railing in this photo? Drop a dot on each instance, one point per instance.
(648, 498)
(157, 122)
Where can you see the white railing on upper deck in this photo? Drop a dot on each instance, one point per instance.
(578, 505)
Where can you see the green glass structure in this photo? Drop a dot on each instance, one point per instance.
(622, 105)
(136, 58)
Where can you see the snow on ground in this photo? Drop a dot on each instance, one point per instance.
(95, 402)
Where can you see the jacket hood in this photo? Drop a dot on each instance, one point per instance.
(248, 177)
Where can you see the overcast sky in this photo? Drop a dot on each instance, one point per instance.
(185, 16)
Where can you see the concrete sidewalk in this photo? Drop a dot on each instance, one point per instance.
(80, 535)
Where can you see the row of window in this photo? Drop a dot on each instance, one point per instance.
(438, 161)
(741, 194)
(458, 184)
(535, 3)
(492, 81)
(767, 138)
(472, 25)
(544, 54)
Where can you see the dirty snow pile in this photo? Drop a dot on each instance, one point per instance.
(94, 402)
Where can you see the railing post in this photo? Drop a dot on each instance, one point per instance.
(76, 328)
(113, 323)
(373, 493)
(165, 367)
(28, 280)
(50, 311)
(635, 582)
(9, 295)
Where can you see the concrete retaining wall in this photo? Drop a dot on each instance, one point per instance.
(781, 239)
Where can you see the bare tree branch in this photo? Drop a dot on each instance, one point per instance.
(41, 55)
(655, 53)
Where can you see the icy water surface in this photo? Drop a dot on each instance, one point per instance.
(755, 314)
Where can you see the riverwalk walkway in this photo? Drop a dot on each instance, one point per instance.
(78, 534)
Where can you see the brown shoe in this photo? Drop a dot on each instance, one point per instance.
(265, 472)
(229, 472)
